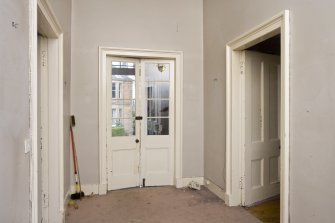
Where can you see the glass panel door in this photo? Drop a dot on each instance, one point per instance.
(157, 82)
(140, 116)
(157, 145)
(123, 131)
(123, 98)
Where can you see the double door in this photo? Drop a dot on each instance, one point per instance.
(140, 122)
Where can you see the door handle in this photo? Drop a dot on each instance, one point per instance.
(137, 140)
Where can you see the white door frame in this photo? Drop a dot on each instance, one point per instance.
(177, 56)
(279, 24)
(44, 123)
(42, 19)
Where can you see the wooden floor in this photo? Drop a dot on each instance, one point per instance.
(267, 212)
(159, 205)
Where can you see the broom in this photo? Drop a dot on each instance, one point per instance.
(78, 193)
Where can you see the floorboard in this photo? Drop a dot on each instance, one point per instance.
(157, 205)
(267, 212)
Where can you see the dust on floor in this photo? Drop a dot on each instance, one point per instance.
(159, 205)
(267, 212)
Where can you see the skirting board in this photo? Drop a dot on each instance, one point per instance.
(101, 189)
(66, 201)
(184, 182)
(88, 189)
(217, 190)
(67, 198)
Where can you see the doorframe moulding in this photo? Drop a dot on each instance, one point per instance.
(279, 24)
(42, 18)
(177, 56)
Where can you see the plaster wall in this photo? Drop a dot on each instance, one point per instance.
(312, 156)
(149, 24)
(14, 111)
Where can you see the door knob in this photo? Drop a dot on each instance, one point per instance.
(137, 140)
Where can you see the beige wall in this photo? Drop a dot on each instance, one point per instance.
(147, 24)
(312, 96)
(14, 111)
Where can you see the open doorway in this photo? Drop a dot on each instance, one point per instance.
(257, 136)
(261, 151)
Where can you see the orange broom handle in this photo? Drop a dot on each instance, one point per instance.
(73, 151)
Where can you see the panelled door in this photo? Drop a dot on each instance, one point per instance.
(157, 147)
(262, 127)
(140, 120)
(123, 130)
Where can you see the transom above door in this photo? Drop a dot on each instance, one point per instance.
(140, 122)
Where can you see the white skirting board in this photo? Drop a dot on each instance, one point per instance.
(66, 201)
(89, 189)
(102, 189)
(184, 182)
(216, 190)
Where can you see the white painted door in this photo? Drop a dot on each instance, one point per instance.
(44, 125)
(262, 128)
(140, 122)
(123, 130)
(157, 145)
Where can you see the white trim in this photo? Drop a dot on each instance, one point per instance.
(102, 189)
(139, 53)
(184, 182)
(61, 125)
(277, 24)
(52, 27)
(43, 77)
(88, 189)
(67, 198)
(216, 190)
(33, 110)
(47, 23)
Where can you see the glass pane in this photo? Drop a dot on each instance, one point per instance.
(124, 108)
(118, 64)
(123, 127)
(158, 126)
(123, 80)
(157, 72)
(158, 108)
(123, 98)
(158, 89)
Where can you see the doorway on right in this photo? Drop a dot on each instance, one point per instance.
(261, 151)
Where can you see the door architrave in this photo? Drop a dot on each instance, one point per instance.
(42, 19)
(177, 56)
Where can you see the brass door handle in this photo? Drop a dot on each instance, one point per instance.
(137, 140)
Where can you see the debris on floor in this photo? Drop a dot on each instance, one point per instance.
(194, 185)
